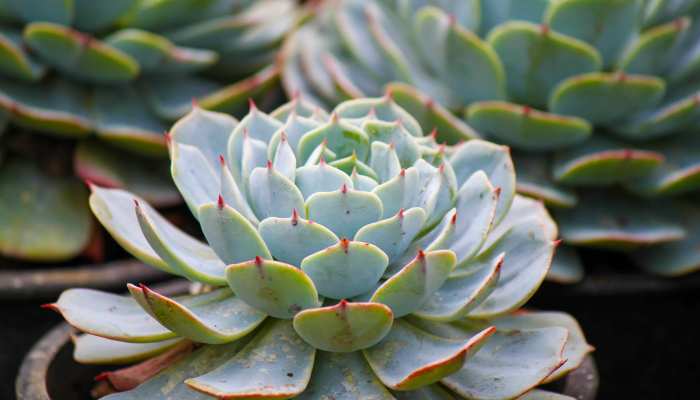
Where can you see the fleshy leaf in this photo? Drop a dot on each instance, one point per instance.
(218, 317)
(110, 316)
(397, 363)
(535, 180)
(193, 175)
(495, 161)
(273, 194)
(614, 220)
(344, 211)
(90, 349)
(399, 192)
(676, 258)
(394, 234)
(169, 384)
(431, 115)
(344, 376)
(576, 347)
(606, 98)
(471, 220)
(651, 53)
(342, 138)
(536, 59)
(185, 255)
(79, 55)
(508, 365)
(320, 177)
(207, 131)
(384, 161)
(601, 161)
(231, 236)
(42, 217)
(346, 269)
(278, 289)
(114, 208)
(344, 327)
(385, 109)
(567, 267)
(290, 240)
(464, 291)
(525, 128)
(528, 248)
(415, 283)
(394, 133)
(277, 363)
(606, 26)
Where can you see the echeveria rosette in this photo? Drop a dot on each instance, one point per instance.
(589, 93)
(120, 71)
(350, 256)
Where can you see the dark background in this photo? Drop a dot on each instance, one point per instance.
(647, 342)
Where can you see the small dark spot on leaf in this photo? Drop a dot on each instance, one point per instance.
(290, 374)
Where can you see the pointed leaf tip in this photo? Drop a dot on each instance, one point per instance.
(344, 188)
(295, 217)
(222, 160)
(251, 104)
(220, 202)
(50, 306)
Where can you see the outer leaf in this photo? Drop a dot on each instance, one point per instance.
(283, 371)
(344, 376)
(397, 363)
(90, 349)
(169, 384)
(218, 317)
(110, 316)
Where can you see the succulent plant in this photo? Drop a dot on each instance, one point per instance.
(119, 71)
(598, 98)
(349, 257)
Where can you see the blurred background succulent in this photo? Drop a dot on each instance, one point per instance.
(599, 100)
(114, 73)
(348, 256)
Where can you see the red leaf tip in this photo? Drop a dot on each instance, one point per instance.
(222, 160)
(269, 165)
(136, 203)
(497, 191)
(403, 172)
(251, 104)
(258, 260)
(421, 255)
(557, 242)
(195, 103)
(544, 29)
(220, 202)
(343, 303)
(50, 306)
(345, 243)
(527, 111)
(295, 217)
(454, 219)
(433, 133)
(400, 213)
(102, 376)
(344, 188)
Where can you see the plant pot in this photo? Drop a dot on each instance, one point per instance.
(49, 282)
(49, 372)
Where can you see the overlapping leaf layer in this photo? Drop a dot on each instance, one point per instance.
(122, 70)
(589, 94)
(349, 255)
